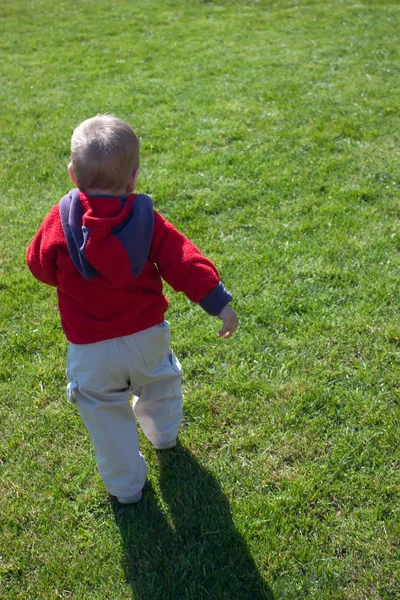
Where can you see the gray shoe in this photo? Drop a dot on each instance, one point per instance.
(165, 446)
(130, 499)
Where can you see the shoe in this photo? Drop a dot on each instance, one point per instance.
(165, 446)
(130, 499)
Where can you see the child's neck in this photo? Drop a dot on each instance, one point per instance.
(95, 193)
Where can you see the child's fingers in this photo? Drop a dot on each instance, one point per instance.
(228, 328)
(223, 332)
(230, 321)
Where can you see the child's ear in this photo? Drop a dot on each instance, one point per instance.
(72, 174)
(135, 176)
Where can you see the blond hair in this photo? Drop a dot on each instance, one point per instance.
(104, 154)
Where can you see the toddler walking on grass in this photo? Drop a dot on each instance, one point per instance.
(106, 251)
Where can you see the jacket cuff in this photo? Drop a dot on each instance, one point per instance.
(216, 300)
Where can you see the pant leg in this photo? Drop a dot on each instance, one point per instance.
(112, 427)
(99, 386)
(158, 400)
(158, 406)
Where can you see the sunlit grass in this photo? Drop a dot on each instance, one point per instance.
(269, 135)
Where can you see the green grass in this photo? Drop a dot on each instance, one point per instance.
(270, 136)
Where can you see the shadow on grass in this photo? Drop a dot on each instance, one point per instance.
(192, 553)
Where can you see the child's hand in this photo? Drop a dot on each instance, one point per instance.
(231, 321)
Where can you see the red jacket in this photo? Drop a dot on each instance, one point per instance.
(107, 255)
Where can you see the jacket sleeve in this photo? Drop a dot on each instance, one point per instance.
(41, 255)
(185, 269)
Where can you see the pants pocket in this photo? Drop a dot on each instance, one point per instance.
(87, 367)
(72, 384)
(71, 389)
(153, 345)
(171, 361)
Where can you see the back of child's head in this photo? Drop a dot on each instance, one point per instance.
(104, 154)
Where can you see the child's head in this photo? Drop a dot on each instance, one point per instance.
(104, 156)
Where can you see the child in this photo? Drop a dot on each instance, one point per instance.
(105, 250)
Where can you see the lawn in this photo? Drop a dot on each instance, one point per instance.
(269, 135)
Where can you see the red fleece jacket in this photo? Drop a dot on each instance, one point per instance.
(110, 296)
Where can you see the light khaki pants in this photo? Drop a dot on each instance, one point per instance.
(102, 378)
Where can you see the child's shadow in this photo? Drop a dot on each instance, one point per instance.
(194, 552)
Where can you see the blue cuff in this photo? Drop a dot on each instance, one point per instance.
(216, 300)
